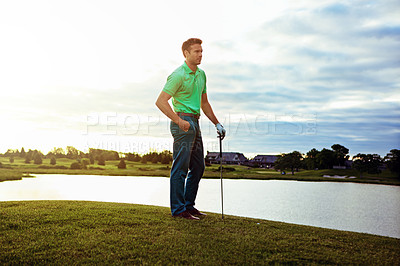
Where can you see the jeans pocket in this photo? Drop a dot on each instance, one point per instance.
(176, 130)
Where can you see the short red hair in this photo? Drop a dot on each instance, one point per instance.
(186, 45)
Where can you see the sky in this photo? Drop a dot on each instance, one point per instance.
(281, 75)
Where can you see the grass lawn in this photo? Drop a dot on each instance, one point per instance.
(15, 171)
(71, 232)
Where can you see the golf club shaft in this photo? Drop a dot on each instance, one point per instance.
(220, 160)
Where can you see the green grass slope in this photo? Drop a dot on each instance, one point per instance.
(70, 232)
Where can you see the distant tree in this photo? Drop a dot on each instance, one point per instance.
(12, 159)
(130, 157)
(340, 153)
(22, 153)
(325, 159)
(295, 159)
(137, 158)
(376, 163)
(85, 162)
(53, 160)
(165, 159)
(58, 152)
(49, 155)
(28, 158)
(37, 158)
(91, 158)
(122, 164)
(113, 155)
(100, 160)
(81, 154)
(290, 161)
(311, 159)
(107, 155)
(147, 157)
(10, 152)
(280, 163)
(154, 159)
(94, 152)
(72, 152)
(369, 163)
(392, 161)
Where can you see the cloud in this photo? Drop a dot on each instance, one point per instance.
(337, 61)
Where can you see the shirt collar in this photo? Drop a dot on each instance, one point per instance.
(188, 70)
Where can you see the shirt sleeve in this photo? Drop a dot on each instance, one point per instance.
(174, 82)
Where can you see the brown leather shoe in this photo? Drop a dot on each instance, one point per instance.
(196, 212)
(186, 215)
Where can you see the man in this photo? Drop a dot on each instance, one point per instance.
(187, 88)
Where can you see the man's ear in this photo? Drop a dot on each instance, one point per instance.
(186, 53)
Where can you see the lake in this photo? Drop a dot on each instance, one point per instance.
(365, 208)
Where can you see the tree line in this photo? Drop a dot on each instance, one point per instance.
(314, 159)
(84, 159)
(338, 157)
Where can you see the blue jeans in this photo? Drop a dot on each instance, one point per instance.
(188, 165)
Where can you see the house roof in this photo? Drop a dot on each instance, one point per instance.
(264, 158)
(227, 156)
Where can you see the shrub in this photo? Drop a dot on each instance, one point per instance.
(122, 164)
(76, 165)
(37, 159)
(53, 160)
(11, 159)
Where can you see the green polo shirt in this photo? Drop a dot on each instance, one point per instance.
(186, 88)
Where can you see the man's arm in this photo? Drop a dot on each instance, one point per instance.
(207, 109)
(165, 107)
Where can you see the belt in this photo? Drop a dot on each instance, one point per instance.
(188, 114)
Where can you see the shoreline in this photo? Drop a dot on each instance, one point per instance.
(287, 177)
(19, 169)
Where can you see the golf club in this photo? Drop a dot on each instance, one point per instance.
(220, 161)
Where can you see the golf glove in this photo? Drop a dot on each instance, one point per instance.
(221, 130)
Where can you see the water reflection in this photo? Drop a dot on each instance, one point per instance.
(345, 206)
(140, 190)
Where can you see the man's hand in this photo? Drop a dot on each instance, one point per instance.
(184, 125)
(163, 105)
(221, 130)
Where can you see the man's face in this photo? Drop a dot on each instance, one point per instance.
(195, 54)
